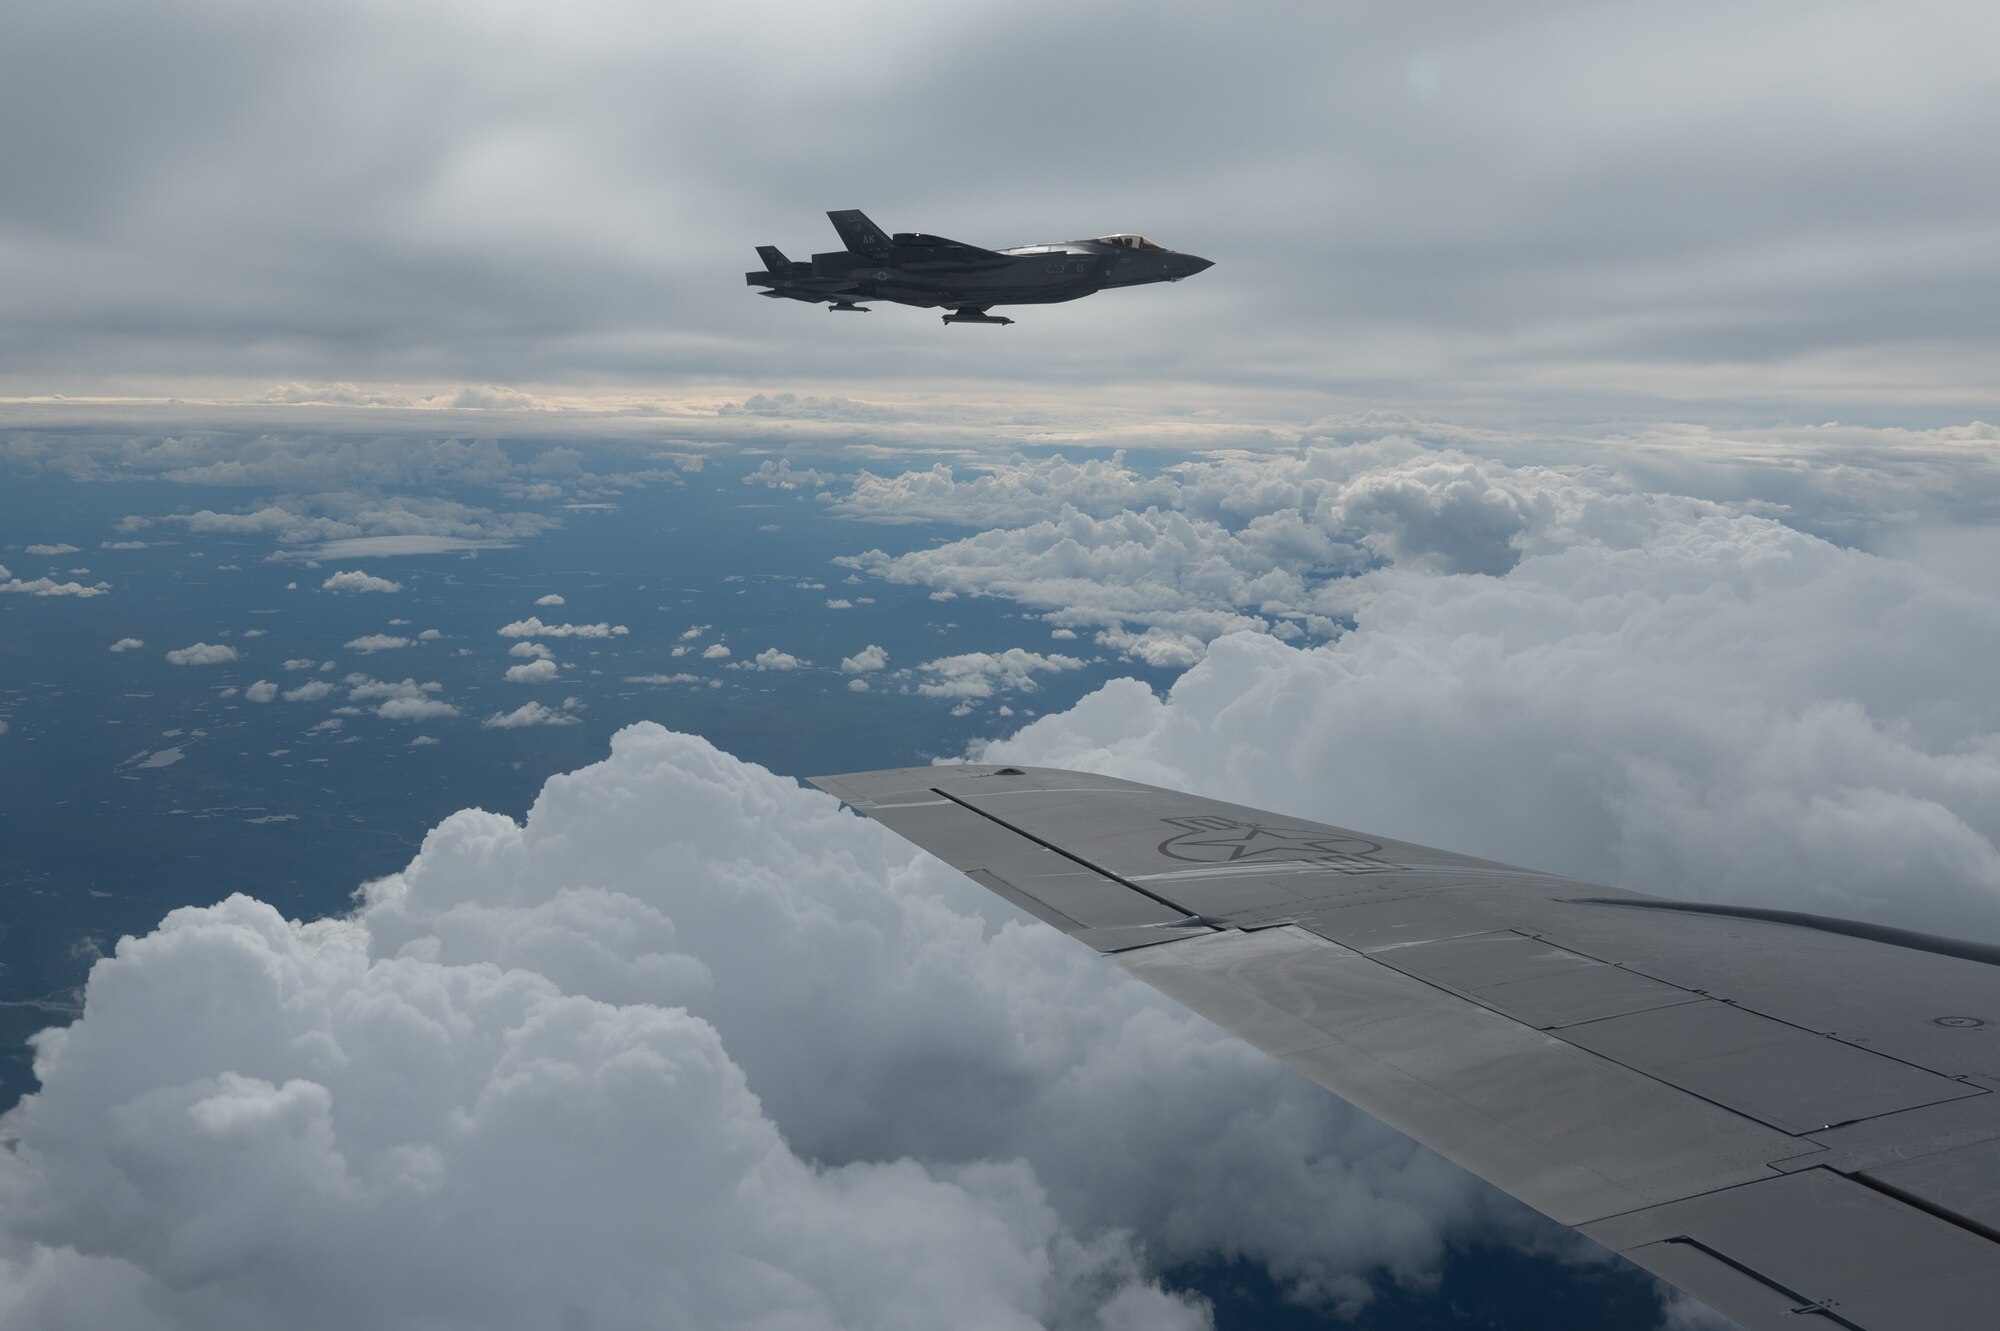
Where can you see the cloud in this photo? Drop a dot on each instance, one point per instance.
(690, 634)
(772, 659)
(982, 674)
(50, 587)
(553, 598)
(1264, 543)
(127, 644)
(202, 653)
(531, 649)
(376, 642)
(402, 700)
(423, 740)
(598, 1009)
(262, 691)
(533, 714)
(310, 691)
(1680, 700)
(300, 663)
(532, 672)
(868, 659)
(414, 709)
(533, 627)
(782, 475)
(715, 651)
(682, 677)
(52, 549)
(839, 603)
(357, 581)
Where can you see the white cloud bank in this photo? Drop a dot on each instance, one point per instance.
(866, 661)
(127, 645)
(202, 653)
(1660, 694)
(9, 584)
(354, 580)
(533, 627)
(982, 674)
(535, 714)
(689, 1047)
(539, 671)
(771, 659)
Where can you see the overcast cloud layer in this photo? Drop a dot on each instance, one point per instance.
(1557, 207)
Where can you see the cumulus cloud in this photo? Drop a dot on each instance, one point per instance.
(715, 651)
(533, 672)
(376, 642)
(772, 659)
(606, 997)
(1021, 490)
(310, 691)
(127, 644)
(534, 714)
(400, 700)
(982, 674)
(414, 709)
(782, 475)
(869, 659)
(262, 691)
(49, 587)
(553, 598)
(202, 653)
(533, 627)
(354, 580)
(530, 649)
(51, 549)
(695, 631)
(1660, 694)
(1270, 544)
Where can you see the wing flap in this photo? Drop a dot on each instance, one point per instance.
(1829, 1245)
(1555, 1125)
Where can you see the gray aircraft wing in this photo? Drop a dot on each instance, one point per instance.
(1791, 1117)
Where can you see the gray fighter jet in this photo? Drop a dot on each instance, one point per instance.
(1792, 1116)
(912, 268)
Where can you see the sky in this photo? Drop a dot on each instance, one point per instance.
(426, 569)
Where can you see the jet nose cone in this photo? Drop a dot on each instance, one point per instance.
(1197, 264)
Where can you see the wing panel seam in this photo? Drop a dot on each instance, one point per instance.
(1071, 856)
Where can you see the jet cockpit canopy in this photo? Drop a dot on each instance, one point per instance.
(1130, 241)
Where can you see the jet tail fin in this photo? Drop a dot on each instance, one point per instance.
(775, 261)
(858, 233)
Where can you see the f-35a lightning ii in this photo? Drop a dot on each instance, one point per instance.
(912, 268)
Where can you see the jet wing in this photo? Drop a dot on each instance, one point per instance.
(1791, 1117)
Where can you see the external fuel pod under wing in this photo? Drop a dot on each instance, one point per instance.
(1788, 1116)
